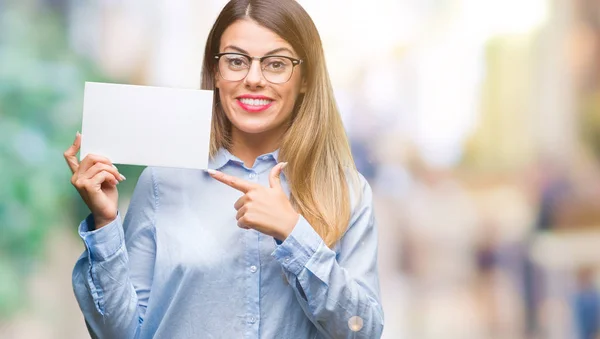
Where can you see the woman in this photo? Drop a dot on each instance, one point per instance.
(301, 262)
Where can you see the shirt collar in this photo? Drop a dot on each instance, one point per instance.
(223, 157)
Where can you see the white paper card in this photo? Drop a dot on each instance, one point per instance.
(149, 126)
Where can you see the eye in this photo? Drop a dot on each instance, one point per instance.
(236, 62)
(276, 64)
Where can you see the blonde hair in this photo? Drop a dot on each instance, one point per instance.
(321, 168)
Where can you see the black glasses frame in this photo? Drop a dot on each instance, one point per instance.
(295, 62)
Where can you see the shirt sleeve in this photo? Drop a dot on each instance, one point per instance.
(113, 276)
(338, 292)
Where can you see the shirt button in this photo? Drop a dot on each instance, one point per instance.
(253, 269)
(286, 260)
(252, 320)
(252, 175)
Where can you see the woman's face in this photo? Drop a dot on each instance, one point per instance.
(254, 105)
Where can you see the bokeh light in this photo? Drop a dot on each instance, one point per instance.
(355, 323)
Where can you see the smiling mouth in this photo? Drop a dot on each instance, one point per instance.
(254, 105)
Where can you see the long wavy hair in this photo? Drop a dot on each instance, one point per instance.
(320, 167)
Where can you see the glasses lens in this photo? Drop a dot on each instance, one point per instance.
(233, 67)
(277, 69)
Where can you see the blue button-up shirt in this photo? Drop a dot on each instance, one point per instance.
(180, 267)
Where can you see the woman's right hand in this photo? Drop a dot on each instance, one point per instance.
(96, 179)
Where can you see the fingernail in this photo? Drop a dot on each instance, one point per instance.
(283, 165)
(122, 177)
(77, 134)
(115, 167)
(211, 171)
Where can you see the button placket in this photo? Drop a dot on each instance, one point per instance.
(253, 280)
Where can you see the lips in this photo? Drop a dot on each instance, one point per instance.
(254, 103)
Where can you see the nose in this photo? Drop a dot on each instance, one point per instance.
(255, 78)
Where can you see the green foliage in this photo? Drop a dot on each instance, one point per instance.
(41, 92)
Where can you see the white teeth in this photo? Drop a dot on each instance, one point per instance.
(255, 102)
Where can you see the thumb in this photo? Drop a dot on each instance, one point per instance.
(274, 180)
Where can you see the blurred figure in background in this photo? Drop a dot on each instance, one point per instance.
(586, 305)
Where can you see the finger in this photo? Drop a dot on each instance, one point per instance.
(240, 202)
(240, 213)
(229, 180)
(274, 179)
(99, 167)
(102, 177)
(71, 153)
(243, 223)
(90, 160)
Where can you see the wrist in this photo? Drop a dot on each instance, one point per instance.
(100, 222)
(289, 227)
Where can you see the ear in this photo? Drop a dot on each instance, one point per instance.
(303, 86)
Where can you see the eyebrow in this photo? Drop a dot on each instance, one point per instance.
(277, 50)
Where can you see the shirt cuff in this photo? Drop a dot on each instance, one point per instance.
(104, 242)
(295, 251)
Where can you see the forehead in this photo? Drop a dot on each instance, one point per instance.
(257, 40)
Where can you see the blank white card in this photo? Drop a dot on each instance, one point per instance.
(149, 126)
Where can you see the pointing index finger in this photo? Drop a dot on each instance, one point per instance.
(231, 181)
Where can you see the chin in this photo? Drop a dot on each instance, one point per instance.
(251, 130)
(254, 129)
(255, 123)
(259, 126)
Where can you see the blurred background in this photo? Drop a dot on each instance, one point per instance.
(476, 122)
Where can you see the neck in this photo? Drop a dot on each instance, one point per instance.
(247, 147)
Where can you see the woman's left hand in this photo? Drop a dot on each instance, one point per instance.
(265, 209)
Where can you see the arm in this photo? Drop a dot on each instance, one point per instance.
(337, 292)
(113, 276)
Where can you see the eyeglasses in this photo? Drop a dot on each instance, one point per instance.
(277, 69)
